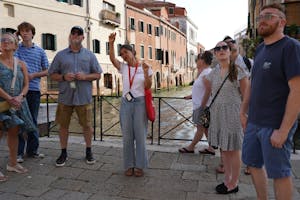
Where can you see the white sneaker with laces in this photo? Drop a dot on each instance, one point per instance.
(20, 159)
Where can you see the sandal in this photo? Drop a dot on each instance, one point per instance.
(247, 171)
(17, 168)
(3, 178)
(206, 151)
(138, 172)
(185, 150)
(220, 169)
(129, 172)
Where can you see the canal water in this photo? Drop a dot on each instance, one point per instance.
(175, 116)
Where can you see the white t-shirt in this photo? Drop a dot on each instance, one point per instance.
(198, 89)
(138, 86)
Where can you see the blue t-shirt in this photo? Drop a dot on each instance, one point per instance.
(274, 65)
(67, 61)
(36, 61)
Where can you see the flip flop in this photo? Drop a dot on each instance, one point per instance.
(206, 151)
(185, 150)
(247, 171)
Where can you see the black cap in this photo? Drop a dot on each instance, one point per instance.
(77, 29)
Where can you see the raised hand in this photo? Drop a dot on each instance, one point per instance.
(145, 68)
(112, 37)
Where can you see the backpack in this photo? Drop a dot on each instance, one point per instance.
(247, 62)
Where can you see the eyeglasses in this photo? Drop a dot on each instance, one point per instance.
(267, 17)
(7, 40)
(219, 48)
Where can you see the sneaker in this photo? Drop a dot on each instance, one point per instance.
(20, 159)
(36, 155)
(61, 160)
(89, 158)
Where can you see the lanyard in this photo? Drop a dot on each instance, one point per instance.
(129, 76)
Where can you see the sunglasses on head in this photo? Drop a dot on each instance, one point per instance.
(231, 41)
(218, 48)
(7, 40)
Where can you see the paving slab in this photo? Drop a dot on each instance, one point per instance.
(170, 175)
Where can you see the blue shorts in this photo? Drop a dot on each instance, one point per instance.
(258, 151)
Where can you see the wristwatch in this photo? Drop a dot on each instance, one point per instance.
(23, 95)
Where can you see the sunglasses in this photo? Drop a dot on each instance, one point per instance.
(219, 48)
(267, 17)
(7, 40)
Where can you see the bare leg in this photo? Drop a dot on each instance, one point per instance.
(88, 133)
(259, 179)
(235, 165)
(12, 143)
(63, 137)
(283, 188)
(198, 136)
(227, 167)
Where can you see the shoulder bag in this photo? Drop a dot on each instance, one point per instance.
(4, 105)
(205, 115)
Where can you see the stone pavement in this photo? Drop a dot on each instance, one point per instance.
(171, 176)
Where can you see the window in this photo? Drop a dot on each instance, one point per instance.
(109, 6)
(149, 29)
(171, 11)
(133, 46)
(167, 57)
(49, 41)
(150, 52)
(132, 25)
(156, 31)
(142, 52)
(77, 2)
(9, 10)
(161, 30)
(107, 48)
(108, 80)
(65, 1)
(119, 49)
(96, 46)
(141, 26)
(157, 54)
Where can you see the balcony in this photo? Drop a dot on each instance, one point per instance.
(110, 17)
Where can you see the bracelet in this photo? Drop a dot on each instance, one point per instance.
(23, 95)
(63, 77)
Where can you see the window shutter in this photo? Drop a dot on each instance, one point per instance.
(54, 43)
(44, 38)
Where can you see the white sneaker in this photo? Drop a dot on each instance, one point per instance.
(20, 159)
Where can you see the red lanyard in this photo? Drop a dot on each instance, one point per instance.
(129, 76)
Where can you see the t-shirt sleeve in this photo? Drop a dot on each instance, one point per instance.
(241, 73)
(96, 68)
(55, 65)
(291, 60)
(44, 60)
(209, 76)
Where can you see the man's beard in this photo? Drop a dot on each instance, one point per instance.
(268, 30)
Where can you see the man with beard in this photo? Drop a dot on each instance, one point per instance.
(75, 68)
(274, 103)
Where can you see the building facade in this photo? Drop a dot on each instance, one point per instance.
(53, 20)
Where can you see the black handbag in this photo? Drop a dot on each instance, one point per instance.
(205, 115)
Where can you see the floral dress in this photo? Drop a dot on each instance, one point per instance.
(225, 129)
(12, 117)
